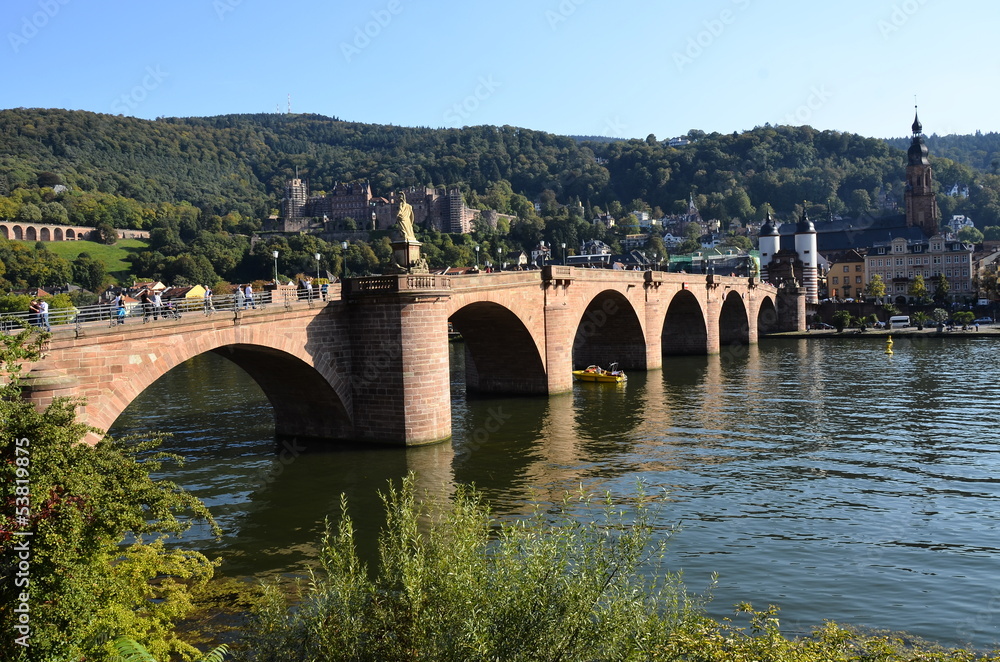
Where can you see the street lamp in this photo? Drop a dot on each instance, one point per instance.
(564, 253)
(343, 245)
(477, 258)
(275, 254)
(317, 256)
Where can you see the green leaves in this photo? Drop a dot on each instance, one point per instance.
(581, 583)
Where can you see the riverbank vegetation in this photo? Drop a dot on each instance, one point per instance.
(585, 582)
(82, 553)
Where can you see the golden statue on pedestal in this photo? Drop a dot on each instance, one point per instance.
(404, 219)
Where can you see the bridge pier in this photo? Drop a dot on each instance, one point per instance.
(400, 375)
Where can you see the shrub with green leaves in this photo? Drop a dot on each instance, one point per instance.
(82, 560)
(584, 583)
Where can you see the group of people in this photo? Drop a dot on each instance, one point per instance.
(244, 297)
(39, 312)
(151, 305)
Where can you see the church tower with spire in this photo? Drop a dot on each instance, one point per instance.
(921, 204)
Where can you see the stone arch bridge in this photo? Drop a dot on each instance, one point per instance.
(371, 363)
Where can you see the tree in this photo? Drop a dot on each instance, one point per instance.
(970, 235)
(964, 317)
(89, 273)
(107, 233)
(918, 289)
(875, 287)
(81, 503)
(941, 288)
(841, 320)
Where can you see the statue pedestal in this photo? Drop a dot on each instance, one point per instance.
(406, 255)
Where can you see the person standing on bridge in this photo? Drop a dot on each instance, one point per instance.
(147, 305)
(43, 314)
(120, 308)
(249, 297)
(240, 297)
(157, 305)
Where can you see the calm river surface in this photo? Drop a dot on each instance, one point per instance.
(820, 476)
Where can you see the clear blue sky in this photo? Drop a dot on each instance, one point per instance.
(626, 68)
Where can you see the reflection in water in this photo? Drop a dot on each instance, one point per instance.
(824, 477)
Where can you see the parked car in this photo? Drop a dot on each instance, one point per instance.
(878, 325)
(983, 320)
(821, 326)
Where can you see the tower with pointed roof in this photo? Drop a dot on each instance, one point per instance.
(921, 203)
(806, 247)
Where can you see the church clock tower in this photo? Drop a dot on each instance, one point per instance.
(921, 204)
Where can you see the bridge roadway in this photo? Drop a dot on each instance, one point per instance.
(371, 363)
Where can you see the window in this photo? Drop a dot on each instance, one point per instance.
(857, 280)
(857, 267)
(847, 268)
(899, 261)
(836, 280)
(909, 261)
(947, 259)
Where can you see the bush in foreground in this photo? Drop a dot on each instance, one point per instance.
(82, 560)
(568, 586)
(458, 586)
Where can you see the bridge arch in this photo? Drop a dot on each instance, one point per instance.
(31, 233)
(18, 232)
(767, 317)
(734, 321)
(685, 329)
(609, 330)
(310, 393)
(306, 402)
(501, 356)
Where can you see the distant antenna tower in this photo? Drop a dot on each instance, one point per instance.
(289, 104)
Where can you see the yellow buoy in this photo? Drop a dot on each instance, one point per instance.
(888, 345)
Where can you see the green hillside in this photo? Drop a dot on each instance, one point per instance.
(122, 167)
(116, 258)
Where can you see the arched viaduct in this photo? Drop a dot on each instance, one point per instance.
(43, 231)
(371, 364)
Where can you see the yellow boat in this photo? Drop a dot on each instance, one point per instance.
(595, 373)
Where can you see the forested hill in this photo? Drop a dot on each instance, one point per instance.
(239, 163)
(979, 150)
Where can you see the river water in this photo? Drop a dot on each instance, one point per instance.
(821, 476)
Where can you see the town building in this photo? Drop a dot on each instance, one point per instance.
(899, 261)
(845, 277)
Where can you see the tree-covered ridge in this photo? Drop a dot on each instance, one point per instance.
(980, 151)
(239, 163)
